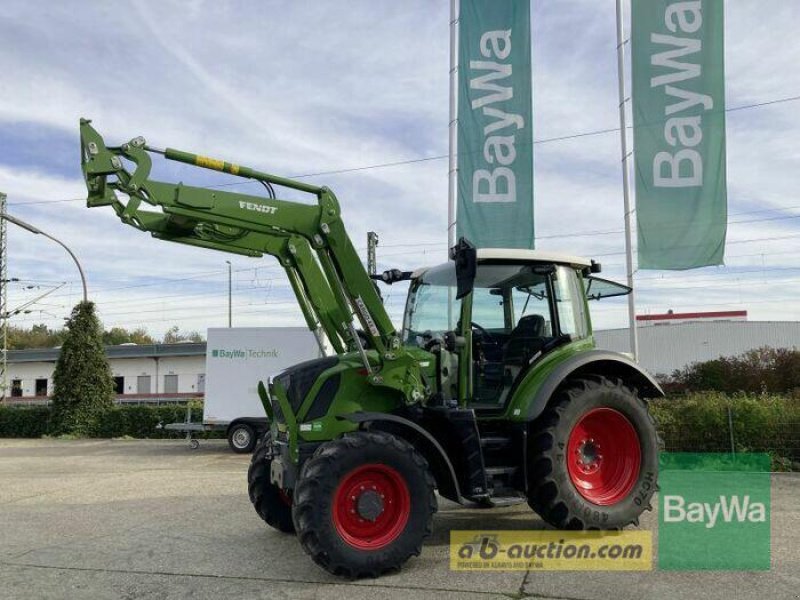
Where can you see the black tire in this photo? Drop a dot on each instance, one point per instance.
(271, 505)
(318, 504)
(553, 491)
(241, 438)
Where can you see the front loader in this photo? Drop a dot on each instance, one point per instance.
(492, 392)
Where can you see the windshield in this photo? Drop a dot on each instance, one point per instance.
(502, 296)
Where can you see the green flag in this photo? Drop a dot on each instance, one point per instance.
(679, 132)
(495, 135)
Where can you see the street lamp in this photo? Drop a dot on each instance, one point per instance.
(230, 309)
(37, 231)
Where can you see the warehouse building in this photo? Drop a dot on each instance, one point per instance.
(142, 373)
(672, 341)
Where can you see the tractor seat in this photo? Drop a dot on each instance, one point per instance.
(525, 340)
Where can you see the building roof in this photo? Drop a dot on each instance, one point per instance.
(121, 351)
(722, 314)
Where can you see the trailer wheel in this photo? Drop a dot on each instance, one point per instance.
(241, 438)
(364, 504)
(594, 457)
(272, 504)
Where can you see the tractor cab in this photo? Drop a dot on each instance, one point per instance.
(521, 305)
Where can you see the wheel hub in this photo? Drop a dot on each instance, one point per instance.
(588, 455)
(241, 438)
(369, 505)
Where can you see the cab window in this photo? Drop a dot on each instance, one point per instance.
(570, 303)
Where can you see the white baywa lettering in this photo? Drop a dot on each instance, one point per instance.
(500, 148)
(731, 509)
(490, 43)
(682, 71)
(689, 98)
(504, 150)
(673, 177)
(681, 10)
(495, 93)
(683, 132)
(262, 208)
(503, 120)
(492, 177)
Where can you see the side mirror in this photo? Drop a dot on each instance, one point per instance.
(466, 258)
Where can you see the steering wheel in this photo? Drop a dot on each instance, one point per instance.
(485, 335)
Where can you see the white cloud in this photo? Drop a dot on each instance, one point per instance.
(297, 88)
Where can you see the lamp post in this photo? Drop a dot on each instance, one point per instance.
(37, 231)
(230, 307)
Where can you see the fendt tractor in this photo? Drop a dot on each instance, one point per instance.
(491, 394)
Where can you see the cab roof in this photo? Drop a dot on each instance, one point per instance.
(518, 255)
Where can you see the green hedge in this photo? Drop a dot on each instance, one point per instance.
(697, 422)
(703, 422)
(137, 421)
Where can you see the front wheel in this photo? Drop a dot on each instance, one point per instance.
(594, 457)
(364, 504)
(271, 503)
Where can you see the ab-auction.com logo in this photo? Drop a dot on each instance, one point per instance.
(551, 550)
(714, 512)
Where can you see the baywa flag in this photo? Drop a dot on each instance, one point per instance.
(495, 135)
(679, 132)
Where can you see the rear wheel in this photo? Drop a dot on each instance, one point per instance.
(364, 504)
(594, 457)
(241, 438)
(272, 504)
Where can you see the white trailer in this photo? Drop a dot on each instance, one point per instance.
(237, 359)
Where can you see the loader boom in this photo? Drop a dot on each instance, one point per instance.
(330, 282)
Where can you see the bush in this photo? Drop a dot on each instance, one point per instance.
(765, 370)
(24, 422)
(137, 421)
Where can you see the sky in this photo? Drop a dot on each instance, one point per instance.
(338, 93)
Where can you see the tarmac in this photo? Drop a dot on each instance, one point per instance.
(154, 519)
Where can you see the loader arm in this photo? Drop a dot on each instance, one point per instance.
(327, 276)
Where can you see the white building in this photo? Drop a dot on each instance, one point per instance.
(674, 340)
(142, 373)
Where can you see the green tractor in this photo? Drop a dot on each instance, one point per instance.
(491, 394)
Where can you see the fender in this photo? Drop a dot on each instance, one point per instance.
(611, 364)
(259, 424)
(442, 468)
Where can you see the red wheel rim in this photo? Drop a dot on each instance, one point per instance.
(603, 456)
(371, 506)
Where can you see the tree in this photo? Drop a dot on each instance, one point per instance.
(83, 387)
(120, 335)
(174, 335)
(38, 336)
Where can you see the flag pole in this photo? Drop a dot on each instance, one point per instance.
(623, 132)
(452, 172)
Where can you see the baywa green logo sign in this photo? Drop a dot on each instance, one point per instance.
(714, 512)
(244, 354)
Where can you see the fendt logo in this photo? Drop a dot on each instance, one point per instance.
(729, 508)
(262, 208)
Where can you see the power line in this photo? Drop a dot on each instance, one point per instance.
(411, 161)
